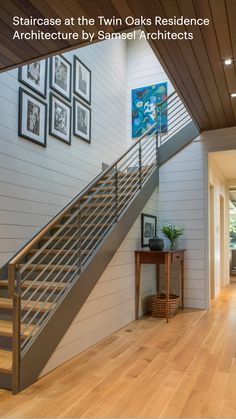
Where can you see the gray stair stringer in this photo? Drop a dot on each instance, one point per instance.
(176, 143)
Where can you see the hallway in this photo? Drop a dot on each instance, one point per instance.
(186, 368)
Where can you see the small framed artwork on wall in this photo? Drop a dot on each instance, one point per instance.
(60, 119)
(82, 80)
(148, 228)
(35, 76)
(32, 118)
(82, 121)
(60, 76)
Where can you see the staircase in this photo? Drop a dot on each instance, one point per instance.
(50, 278)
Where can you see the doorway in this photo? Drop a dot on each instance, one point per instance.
(212, 241)
(222, 241)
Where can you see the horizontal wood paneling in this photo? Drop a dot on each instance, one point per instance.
(186, 207)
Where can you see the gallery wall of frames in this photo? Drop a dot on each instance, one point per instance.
(68, 99)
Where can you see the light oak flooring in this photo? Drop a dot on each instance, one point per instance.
(186, 368)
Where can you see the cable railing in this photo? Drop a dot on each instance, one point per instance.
(45, 270)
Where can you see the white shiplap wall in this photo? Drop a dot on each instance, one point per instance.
(182, 201)
(35, 183)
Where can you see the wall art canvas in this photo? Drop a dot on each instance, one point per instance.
(144, 101)
(34, 76)
(60, 76)
(82, 80)
(148, 228)
(82, 121)
(32, 118)
(60, 119)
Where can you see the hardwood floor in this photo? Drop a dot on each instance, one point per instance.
(186, 368)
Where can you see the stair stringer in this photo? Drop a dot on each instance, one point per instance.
(44, 344)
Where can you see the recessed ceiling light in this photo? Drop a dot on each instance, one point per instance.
(228, 61)
(233, 94)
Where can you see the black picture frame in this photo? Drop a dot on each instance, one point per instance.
(65, 94)
(76, 132)
(23, 77)
(79, 65)
(24, 130)
(52, 129)
(144, 238)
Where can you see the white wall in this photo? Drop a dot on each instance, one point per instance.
(220, 188)
(35, 183)
(111, 304)
(182, 201)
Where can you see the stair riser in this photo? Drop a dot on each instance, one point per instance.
(55, 259)
(49, 276)
(41, 294)
(5, 315)
(5, 381)
(91, 228)
(72, 244)
(6, 343)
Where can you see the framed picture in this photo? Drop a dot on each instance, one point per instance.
(82, 121)
(34, 75)
(60, 119)
(82, 80)
(60, 76)
(144, 102)
(148, 228)
(32, 118)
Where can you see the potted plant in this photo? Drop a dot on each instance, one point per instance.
(172, 232)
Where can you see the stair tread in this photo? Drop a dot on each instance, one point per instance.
(77, 225)
(6, 328)
(7, 303)
(35, 284)
(5, 361)
(41, 266)
(55, 251)
(73, 238)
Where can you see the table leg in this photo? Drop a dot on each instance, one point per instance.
(157, 278)
(182, 282)
(167, 283)
(137, 284)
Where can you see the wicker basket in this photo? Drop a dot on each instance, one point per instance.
(158, 304)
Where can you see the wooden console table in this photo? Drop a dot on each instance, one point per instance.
(165, 257)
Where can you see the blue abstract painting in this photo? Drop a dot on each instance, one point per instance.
(144, 100)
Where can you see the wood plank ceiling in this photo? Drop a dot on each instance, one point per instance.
(195, 67)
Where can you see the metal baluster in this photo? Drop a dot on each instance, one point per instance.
(79, 245)
(159, 123)
(16, 335)
(116, 194)
(140, 164)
